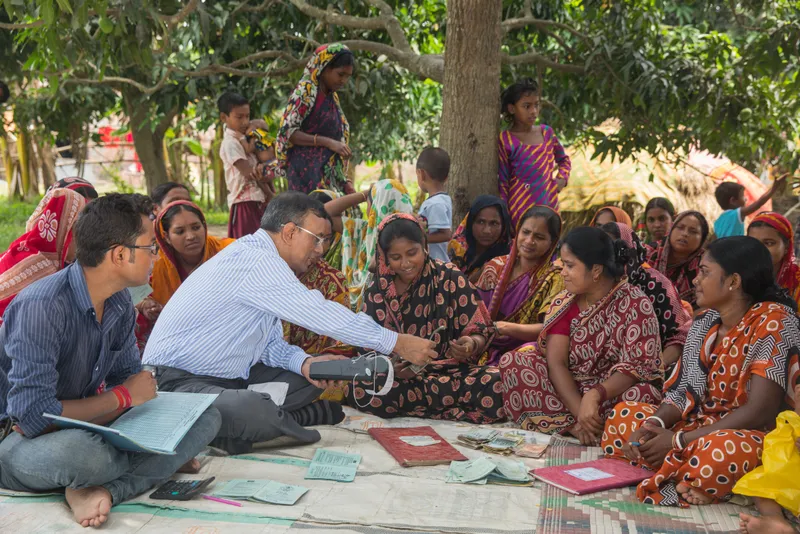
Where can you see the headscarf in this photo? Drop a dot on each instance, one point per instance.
(542, 276)
(683, 274)
(673, 319)
(788, 276)
(440, 296)
(167, 274)
(79, 185)
(42, 249)
(302, 101)
(462, 248)
(620, 215)
(334, 255)
(360, 236)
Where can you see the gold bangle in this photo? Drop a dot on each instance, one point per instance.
(315, 139)
(364, 195)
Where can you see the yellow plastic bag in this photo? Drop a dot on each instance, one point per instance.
(778, 478)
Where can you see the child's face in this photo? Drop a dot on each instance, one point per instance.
(238, 119)
(422, 180)
(526, 110)
(740, 200)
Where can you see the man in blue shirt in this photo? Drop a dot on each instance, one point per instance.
(221, 331)
(67, 348)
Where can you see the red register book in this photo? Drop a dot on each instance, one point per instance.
(410, 455)
(594, 476)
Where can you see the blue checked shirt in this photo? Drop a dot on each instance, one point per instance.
(226, 316)
(52, 348)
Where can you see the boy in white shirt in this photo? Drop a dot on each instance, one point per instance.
(433, 168)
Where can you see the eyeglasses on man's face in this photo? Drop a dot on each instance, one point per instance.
(318, 241)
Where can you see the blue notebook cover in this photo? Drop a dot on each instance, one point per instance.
(156, 427)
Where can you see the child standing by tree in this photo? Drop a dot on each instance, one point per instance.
(529, 153)
(243, 172)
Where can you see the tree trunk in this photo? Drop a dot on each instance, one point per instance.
(47, 160)
(220, 187)
(149, 143)
(23, 154)
(471, 99)
(8, 164)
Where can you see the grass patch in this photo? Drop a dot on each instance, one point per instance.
(14, 216)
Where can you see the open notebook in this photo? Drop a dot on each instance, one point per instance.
(157, 426)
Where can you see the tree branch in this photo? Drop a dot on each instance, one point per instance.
(515, 24)
(392, 25)
(428, 65)
(177, 18)
(538, 59)
(332, 17)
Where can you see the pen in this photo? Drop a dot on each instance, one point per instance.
(634, 444)
(223, 501)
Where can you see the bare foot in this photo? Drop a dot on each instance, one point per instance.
(192, 467)
(90, 506)
(692, 495)
(773, 524)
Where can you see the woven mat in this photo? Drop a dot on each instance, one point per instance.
(618, 511)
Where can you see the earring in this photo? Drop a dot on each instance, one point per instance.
(730, 288)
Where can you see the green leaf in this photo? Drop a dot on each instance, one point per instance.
(64, 5)
(106, 26)
(195, 146)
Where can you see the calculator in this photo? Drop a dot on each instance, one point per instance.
(181, 490)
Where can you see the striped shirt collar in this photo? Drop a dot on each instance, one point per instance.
(77, 283)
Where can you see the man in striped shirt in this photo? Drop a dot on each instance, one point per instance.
(221, 332)
(64, 339)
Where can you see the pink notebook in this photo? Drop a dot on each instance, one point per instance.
(591, 477)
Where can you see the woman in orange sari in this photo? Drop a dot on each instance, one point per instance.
(776, 233)
(185, 244)
(737, 372)
(45, 247)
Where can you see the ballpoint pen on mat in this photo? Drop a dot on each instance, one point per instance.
(223, 501)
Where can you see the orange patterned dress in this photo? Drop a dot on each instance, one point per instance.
(707, 384)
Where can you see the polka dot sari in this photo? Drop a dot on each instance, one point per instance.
(708, 383)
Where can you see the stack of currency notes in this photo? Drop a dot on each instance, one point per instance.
(485, 470)
(476, 438)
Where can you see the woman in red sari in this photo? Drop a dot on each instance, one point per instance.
(417, 295)
(600, 344)
(45, 247)
(775, 232)
(737, 372)
(678, 255)
(519, 287)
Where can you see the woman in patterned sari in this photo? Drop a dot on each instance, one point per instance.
(360, 236)
(737, 372)
(45, 247)
(417, 295)
(484, 234)
(678, 255)
(776, 233)
(518, 288)
(599, 345)
(311, 148)
(673, 319)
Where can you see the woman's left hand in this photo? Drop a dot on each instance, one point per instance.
(463, 348)
(658, 447)
(560, 184)
(348, 188)
(589, 413)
